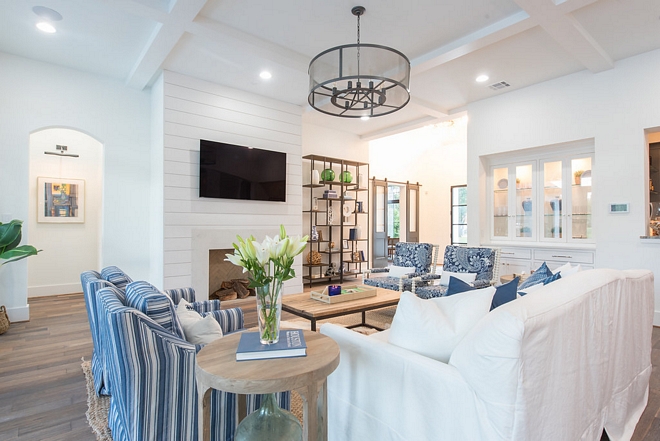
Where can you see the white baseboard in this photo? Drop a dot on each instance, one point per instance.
(656, 318)
(20, 314)
(53, 290)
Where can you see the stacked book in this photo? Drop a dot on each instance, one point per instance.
(290, 344)
(330, 194)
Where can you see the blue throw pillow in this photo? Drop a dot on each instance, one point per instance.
(456, 286)
(505, 293)
(552, 278)
(537, 277)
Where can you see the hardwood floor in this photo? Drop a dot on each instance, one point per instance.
(42, 388)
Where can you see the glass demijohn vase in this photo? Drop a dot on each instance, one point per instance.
(269, 423)
(269, 310)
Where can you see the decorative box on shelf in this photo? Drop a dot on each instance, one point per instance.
(348, 293)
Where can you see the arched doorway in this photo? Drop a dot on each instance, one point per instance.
(66, 190)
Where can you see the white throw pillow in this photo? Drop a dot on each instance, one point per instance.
(398, 271)
(574, 270)
(197, 330)
(561, 269)
(435, 326)
(465, 277)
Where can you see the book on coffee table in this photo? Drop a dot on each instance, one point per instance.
(291, 344)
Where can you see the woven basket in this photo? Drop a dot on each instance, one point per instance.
(4, 320)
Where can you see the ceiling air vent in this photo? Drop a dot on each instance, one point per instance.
(500, 85)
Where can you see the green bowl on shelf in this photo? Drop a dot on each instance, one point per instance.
(328, 174)
(346, 177)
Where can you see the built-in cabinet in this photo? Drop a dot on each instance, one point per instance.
(519, 260)
(335, 216)
(544, 200)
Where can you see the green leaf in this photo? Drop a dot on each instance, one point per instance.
(18, 253)
(10, 235)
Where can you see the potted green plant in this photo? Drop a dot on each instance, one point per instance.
(578, 176)
(10, 251)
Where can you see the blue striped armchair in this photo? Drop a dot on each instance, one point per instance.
(151, 369)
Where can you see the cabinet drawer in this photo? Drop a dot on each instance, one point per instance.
(515, 253)
(565, 256)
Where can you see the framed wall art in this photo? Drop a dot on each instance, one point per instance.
(60, 200)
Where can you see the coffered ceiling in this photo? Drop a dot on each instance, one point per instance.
(229, 42)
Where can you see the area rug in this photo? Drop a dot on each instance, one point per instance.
(97, 406)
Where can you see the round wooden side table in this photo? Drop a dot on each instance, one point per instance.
(216, 368)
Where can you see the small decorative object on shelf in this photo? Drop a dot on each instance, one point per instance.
(578, 176)
(527, 205)
(358, 207)
(357, 257)
(331, 215)
(269, 422)
(269, 264)
(315, 204)
(331, 246)
(314, 258)
(315, 177)
(315, 234)
(328, 174)
(346, 177)
(332, 270)
(555, 204)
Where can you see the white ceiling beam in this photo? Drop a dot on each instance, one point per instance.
(505, 28)
(163, 39)
(219, 33)
(428, 107)
(399, 128)
(559, 23)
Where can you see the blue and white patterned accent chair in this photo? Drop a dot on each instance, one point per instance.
(114, 277)
(460, 259)
(152, 371)
(422, 256)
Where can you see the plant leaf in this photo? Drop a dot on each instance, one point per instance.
(10, 235)
(18, 253)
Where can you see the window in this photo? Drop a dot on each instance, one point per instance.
(459, 215)
(393, 211)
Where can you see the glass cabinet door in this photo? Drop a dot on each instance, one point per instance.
(579, 218)
(524, 206)
(552, 200)
(500, 207)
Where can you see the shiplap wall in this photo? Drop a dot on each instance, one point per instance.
(194, 110)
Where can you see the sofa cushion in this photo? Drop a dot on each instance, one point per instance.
(156, 305)
(434, 327)
(465, 277)
(116, 276)
(537, 276)
(570, 271)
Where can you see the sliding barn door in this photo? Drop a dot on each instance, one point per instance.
(412, 212)
(379, 222)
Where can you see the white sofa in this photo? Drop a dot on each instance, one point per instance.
(561, 363)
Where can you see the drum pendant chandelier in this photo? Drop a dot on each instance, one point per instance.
(359, 80)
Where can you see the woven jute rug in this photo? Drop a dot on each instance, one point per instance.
(97, 406)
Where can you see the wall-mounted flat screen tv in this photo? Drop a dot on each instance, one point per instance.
(229, 171)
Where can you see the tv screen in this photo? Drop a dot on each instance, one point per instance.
(230, 171)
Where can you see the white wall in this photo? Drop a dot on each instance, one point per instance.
(50, 273)
(318, 140)
(194, 110)
(38, 95)
(612, 107)
(434, 156)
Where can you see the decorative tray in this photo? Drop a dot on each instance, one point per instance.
(348, 293)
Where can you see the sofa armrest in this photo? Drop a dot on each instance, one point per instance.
(380, 391)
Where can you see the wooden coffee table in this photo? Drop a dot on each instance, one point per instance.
(304, 306)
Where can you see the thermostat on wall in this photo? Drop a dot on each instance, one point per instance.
(620, 208)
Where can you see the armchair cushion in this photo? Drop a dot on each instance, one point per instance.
(464, 276)
(398, 271)
(147, 299)
(116, 276)
(415, 254)
(434, 327)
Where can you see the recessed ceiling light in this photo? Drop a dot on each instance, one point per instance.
(482, 78)
(265, 75)
(47, 13)
(364, 118)
(46, 27)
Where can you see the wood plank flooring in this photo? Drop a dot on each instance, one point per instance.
(42, 387)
